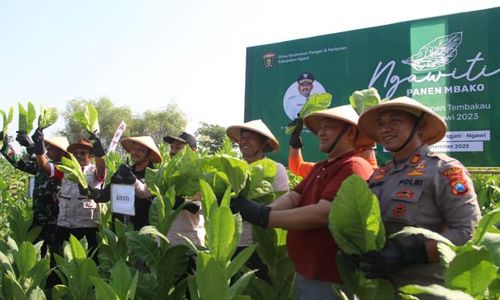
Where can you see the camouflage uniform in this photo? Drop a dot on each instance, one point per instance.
(45, 207)
(432, 191)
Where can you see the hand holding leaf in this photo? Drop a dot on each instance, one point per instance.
(73, 171)
(314, 103)
(26, 117)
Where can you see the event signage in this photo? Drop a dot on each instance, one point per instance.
(450, 63)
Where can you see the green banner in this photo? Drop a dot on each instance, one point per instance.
(449, 63)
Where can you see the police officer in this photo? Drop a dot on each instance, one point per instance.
(418, 187)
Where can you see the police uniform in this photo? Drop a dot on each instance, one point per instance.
(429, 190)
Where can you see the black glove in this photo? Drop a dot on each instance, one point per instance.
(97, 148)
(191, 206)
(250, 211)
(24, 139)
(124, 175)
(295, 139)
(39, 143)
(1, 136)
(90, 192)
(397, 253)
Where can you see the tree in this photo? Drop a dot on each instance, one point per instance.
(157, 124)
(110, 117)
(210, 136)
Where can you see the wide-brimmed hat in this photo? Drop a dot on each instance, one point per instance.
(433, 133)
(60, 142)
(234, 133)
(344, 113)
(146, 141)
(80, 143)
(184, 137)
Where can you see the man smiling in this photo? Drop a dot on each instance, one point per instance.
(304, 211)
(417, 188)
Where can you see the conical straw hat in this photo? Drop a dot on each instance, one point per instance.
(59, 142)
(344, 113)
(234, 132)
(146, 141)
(434, 131)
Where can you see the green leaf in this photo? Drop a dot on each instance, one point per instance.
(7, 119)
(491, 241)
(262, 174)
(37, 294)
(73, 171)
(25, 258)
(354, 218)
(122, 282)
(315, 102)
(220, 234)
(144, 247)
(76, 248)
(235, 169)
(210, 278)
(471, 271)
(88, 119)
(485, 224)
(48, 116)
(30, 117)
(59, 291)
(239, 286)
(240, 260)
(436, 290)
(429, 234)
(173, 264)
(23, 120)
(364, 99)
(103, 290)
(11, 288)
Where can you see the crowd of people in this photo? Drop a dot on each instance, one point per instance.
(417, 187)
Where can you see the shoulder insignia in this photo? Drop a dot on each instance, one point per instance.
(457, 182)
(459, 187)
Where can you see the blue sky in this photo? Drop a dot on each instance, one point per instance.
(147, 54)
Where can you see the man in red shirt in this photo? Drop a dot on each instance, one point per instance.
(304, 211)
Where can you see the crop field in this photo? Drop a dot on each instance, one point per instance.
(143, 265)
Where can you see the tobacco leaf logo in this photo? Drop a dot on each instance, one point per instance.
(437, 53)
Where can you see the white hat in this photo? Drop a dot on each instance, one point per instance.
(344, 113)
(433, 133)
(146, 141)
(234, 132)
(59, 142)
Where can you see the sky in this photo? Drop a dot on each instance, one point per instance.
(148, 54)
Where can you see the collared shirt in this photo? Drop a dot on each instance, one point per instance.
(431, 191)
(313, 250)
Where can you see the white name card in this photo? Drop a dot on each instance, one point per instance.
(122, 199)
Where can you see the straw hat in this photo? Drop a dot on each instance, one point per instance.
(434, 131)
(80, 143)
(344, 113)
(234, 132)
(146, 141)
(60, 142)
